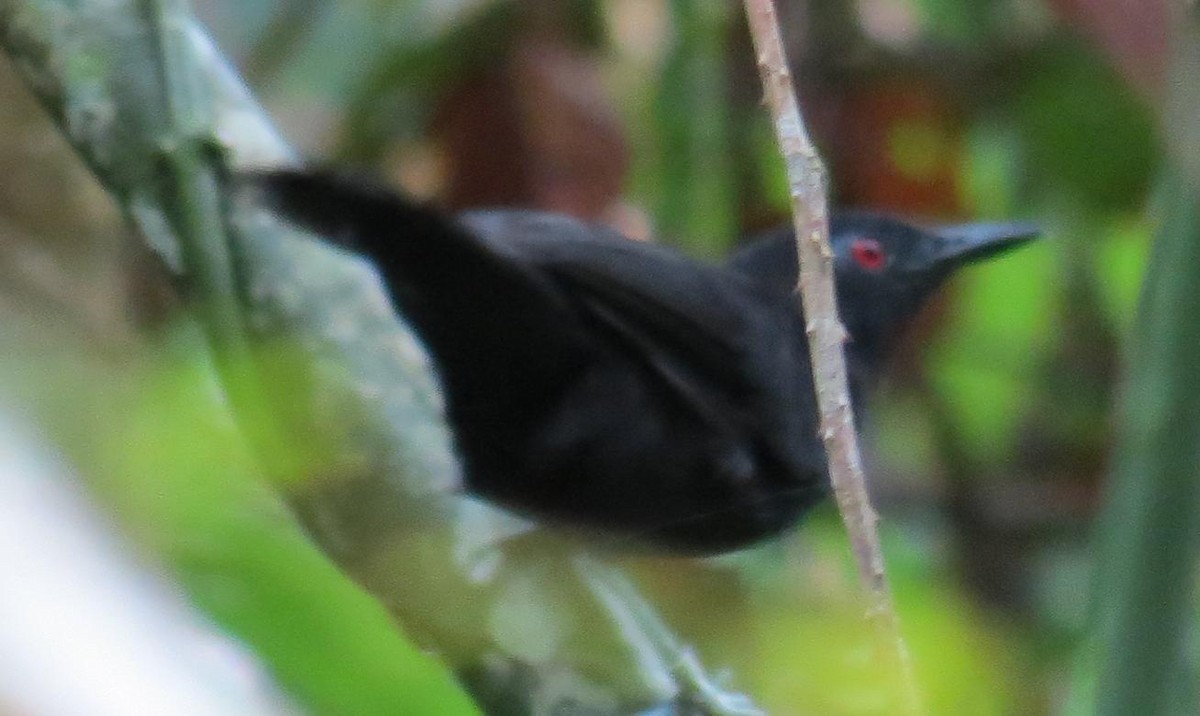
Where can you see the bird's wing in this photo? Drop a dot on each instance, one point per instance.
(689, 317)
(689, 321)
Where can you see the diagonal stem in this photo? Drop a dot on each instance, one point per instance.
(807, 181)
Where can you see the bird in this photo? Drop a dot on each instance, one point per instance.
(619, 388)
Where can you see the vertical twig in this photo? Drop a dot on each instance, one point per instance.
(806, 177)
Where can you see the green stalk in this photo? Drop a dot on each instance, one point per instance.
(1143, 604)
(1144, 585)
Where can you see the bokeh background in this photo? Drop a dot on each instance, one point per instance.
(987, 446)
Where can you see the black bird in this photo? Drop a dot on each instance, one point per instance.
(620, 387)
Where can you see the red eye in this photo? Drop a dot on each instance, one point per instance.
(868, 254)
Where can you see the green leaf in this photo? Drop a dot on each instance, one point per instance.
(1143, 598)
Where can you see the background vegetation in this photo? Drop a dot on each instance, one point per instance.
(989, 448)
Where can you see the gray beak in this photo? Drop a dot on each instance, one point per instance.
(968, 243)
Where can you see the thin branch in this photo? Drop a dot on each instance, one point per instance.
(806, 177)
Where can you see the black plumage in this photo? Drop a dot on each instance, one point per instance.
(620, 387)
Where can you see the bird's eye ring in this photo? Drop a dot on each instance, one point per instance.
(868, 254)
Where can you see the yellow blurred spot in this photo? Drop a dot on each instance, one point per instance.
(917, 149)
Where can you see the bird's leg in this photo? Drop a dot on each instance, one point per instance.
(659, 649)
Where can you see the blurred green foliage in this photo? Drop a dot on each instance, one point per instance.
(1087, 135)
(693, 178)
(166, 456)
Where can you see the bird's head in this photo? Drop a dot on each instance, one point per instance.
(886, 269)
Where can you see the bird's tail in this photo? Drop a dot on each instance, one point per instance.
(472, 307)
(356, 213)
